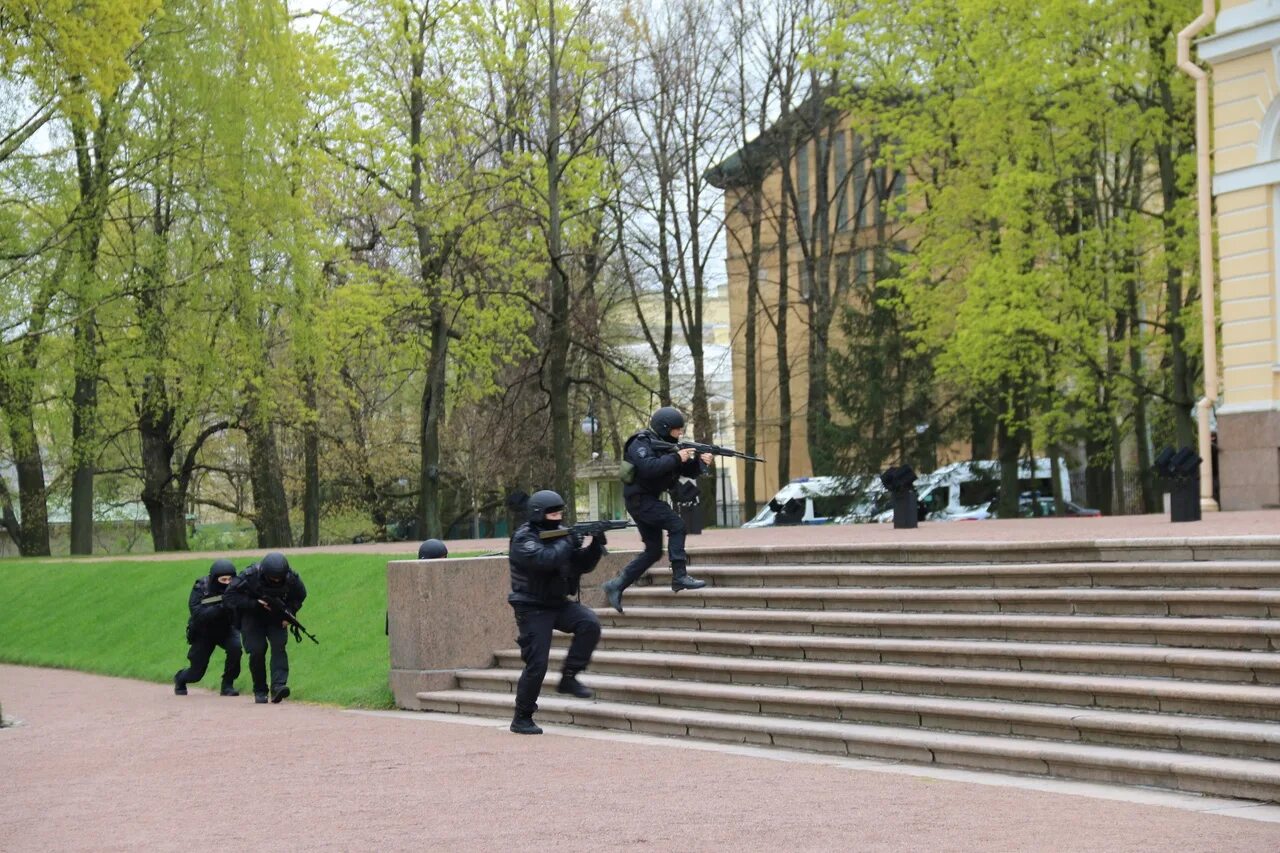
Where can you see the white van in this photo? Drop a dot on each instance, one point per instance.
(965, 490)
(821, 500)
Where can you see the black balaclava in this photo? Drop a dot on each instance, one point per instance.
(218, 569)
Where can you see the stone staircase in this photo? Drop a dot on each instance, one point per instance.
(1143, 670)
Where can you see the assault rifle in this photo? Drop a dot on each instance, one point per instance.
(277, 606)
(713, 449)
(586, 528)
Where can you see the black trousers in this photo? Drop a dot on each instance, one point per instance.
(257, 633)
(652, 516)
(202, 646)
(535, 625)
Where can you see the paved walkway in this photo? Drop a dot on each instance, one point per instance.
(110, 764)
(1257, 523)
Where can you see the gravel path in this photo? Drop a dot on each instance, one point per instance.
(109, 764)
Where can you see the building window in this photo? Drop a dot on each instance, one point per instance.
(806, 282)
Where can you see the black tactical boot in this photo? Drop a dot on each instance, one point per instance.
(523, 724)
(179, 686)
(680, 579)
(228, 689)
(571, 685)
(613, 593)
(279, 694)
(259, 698)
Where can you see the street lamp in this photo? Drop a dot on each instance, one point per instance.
(591, 428)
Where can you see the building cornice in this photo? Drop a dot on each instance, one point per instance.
(1242, 31)
(1247, 178)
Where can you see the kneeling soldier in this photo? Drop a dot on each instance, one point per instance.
(547, 561)
(210, 625)
(259, 594)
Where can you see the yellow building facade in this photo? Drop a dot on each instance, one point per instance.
(1243, 56)
(752, 181)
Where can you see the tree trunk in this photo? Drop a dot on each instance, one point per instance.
(750, 403)
(159, 492)
(17, 407)
(1142, 433)
(557, 375)
(271, 506)
(19, 413)
(84, 416)
(93, 180)
(1009, 446)
(982, 435)
(1181, 377)
(783, 309)
(311, 466)
(1097, 473)
(432, 414)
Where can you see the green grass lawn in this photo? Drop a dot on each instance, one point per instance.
(128, 618)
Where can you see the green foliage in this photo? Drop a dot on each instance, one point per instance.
(128, 618)
(1049, 234)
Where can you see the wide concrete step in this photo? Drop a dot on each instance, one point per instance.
(1188, 632)
(1233, 777)
(1257, 667)
(1246, 603)
(1252, 574)
(1210, 699)
(1205, 735)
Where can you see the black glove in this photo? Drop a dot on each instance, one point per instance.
(600, 539)
(576, 538)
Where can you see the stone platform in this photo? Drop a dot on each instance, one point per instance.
(1049, 646)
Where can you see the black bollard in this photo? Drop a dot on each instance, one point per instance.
(900, 483)
(1180, 473)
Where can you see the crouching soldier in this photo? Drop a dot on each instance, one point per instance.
(547, 561)
(211, 625)
(259, 594)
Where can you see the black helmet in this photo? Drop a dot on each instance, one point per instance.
(275, 568)
(432, 549)
(543, 502)
(220, 568)
(665, 420)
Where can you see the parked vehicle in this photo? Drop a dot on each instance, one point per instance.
(961, 491)
(822, 500)
(966, 491)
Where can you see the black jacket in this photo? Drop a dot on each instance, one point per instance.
(656, 471)
(247, 587)
(207, 620)
(545, 573)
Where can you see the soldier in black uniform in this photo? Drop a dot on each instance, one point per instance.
(544, 573)
(657, 471)
(211, 625)
(256, 594)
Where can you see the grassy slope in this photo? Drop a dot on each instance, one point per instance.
(127, 618)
